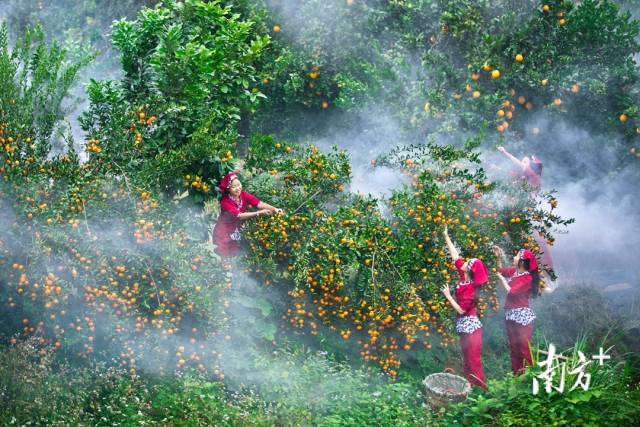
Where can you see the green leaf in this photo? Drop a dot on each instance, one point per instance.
(261, 304)
(266, 330)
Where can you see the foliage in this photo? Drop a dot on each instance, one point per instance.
(611, 398)
(375, 275)
(565, 64)
(94, 262)
(44, 392)
(532, 73)
(101, 263)
(35, 80)
(184, 83)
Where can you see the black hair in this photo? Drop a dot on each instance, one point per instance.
(536, 167)
(535, 275)
(476, 298)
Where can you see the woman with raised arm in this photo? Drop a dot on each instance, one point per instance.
(521, 282)
(530, 171)
(472, 274)
(233, 209)
(529, 168)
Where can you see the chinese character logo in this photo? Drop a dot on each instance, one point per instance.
(556, 364)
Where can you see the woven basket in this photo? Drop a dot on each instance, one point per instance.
(443, 389)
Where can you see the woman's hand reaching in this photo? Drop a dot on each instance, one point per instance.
(446, 291)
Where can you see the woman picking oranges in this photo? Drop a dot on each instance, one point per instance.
(521, 282)
(234, 204)
(472, 273)
(530, 171)
(529, 168)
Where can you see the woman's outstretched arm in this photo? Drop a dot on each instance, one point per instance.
(253, 214)
(504, 282)
(267, 206)
(452, 249)
(511, 157)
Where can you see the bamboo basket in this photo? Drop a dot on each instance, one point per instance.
(444, 388)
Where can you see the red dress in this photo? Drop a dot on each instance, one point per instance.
(469, 328)
(529, 175)
(534, 180)
(518, 317)
(226, 232)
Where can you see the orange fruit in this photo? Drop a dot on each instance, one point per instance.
(519, 57)
(476, 94)
(557, 102)
(495, 74)
(276, 28)
(623, 117)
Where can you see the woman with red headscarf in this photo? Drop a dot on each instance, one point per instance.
(530, 171)
(472, 273)
(233, 209)
(521, 282)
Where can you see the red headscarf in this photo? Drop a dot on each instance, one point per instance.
(480, 273)
(527, 254)
(226, 180)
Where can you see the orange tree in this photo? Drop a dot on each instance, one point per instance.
(526, 68)
(371, 270)
(190, 73)
(94, 262)
(100, 243)
(532, 69)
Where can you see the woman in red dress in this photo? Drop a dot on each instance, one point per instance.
(234, 204)
(530, 171)
(521, 282)
(472, 273)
